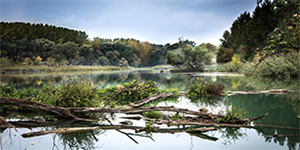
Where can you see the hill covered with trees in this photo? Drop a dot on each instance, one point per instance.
(42, 44)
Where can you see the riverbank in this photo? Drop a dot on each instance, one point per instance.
(49, 69)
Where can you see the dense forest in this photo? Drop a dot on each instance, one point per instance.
(41, 44)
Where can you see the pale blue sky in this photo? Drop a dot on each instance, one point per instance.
(156, 21)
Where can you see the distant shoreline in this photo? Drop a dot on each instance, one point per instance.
(49, 69)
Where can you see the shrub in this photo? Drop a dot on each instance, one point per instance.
(5, 62)
(278, 66)
(234, 66)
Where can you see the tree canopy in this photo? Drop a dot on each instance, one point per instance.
(250, 33)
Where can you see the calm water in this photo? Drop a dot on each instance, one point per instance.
(284, 110)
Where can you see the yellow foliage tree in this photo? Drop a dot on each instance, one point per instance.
(236, 60)
(38, 60)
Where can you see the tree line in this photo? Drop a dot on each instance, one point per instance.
(43, 44)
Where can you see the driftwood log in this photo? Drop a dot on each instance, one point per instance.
(275, 91)
(203, 129)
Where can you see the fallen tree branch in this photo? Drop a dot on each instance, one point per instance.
(203, 129)
(59, 131)
(282, 135)
(150, 99)
(275, 91)
(204, 136)
(105, 127)
(65, 113)
(256, 118)
(195, 121)
(146, 109)
(4, 124)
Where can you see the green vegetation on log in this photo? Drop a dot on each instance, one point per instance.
(83, 93)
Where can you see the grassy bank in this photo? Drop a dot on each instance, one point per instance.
(45, 69)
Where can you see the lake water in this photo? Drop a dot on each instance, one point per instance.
(284, 110)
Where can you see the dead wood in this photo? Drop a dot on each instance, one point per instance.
(104, 127)
(146, 109)
(59, 131)
(4, 124)
(150, 99)
(195, 121)
(57, 123)
(31, 104)
(256, 118)
(282, 135)
(204, 136)
(275, 91)
(132, 117)
(203, 129)
(66, 112)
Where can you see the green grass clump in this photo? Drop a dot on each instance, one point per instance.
(77, 93)
(203, 89)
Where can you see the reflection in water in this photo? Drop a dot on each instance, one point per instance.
(281, 113)
(231, 135)
(82, 140)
